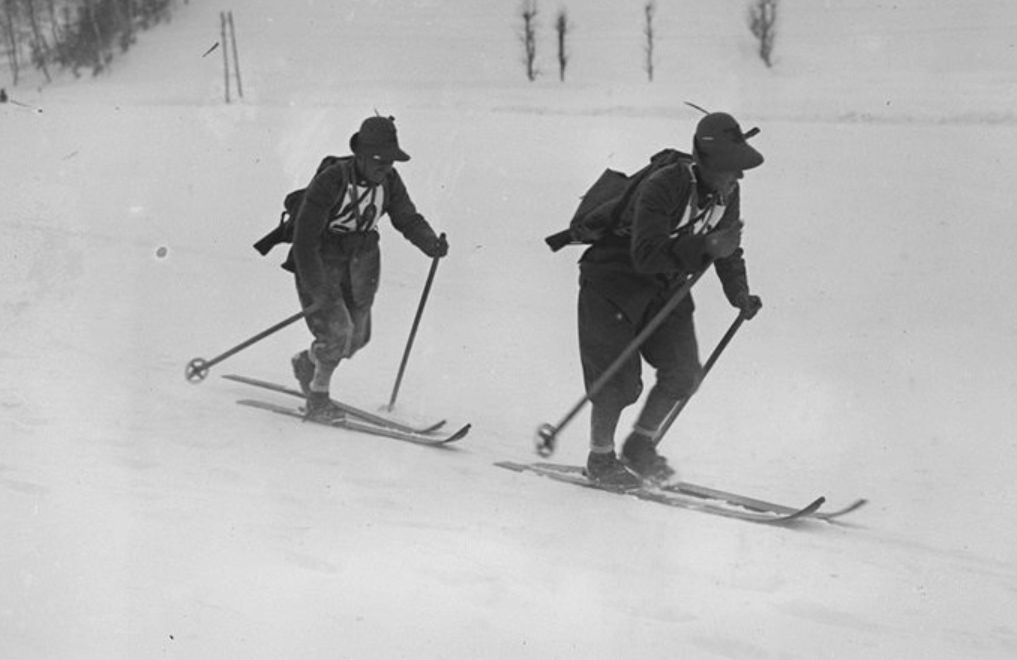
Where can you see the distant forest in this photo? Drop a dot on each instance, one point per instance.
(73, 35)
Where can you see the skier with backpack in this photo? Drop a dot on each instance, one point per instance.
(649, 234)
(335, 256)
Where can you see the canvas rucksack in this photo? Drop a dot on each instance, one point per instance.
(283, 232)
(600, 211)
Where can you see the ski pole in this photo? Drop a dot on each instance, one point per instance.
(680, 404)
(413, 330)
(198, 368)
(547, 433)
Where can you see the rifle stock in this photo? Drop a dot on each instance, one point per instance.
(559, 240)
(270, 240)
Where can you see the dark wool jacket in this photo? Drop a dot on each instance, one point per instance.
(658, 256)
(313, 243)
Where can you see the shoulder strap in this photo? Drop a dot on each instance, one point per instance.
(345, 168)
(693, 188)
(661, 159)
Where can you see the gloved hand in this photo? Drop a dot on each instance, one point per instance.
(437, 248)
(749, 304)
(722, 243)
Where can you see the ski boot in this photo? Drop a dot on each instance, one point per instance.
(639, 453)
(606, 470)
(320, 408)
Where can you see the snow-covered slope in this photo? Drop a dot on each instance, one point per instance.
(148, 517)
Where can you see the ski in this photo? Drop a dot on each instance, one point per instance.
(359, 425)
(377, 420)
(706, 493)
(574, 475)
(695, 490)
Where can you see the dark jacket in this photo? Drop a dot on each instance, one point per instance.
(661, 252)
(314, 243)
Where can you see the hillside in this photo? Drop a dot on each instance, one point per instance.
(150, 517)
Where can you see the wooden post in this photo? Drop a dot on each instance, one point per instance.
(236, 60)
(225, 55)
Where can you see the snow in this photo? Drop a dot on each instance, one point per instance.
(146, 517)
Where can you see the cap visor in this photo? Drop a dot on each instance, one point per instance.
(732, 158)
(394, 154)
(751, 158)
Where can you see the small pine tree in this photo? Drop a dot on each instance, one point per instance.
(649, 12)
(528, 35)
(763, 24)
(562, 28)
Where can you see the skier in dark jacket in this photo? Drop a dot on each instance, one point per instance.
(683, 217)
(335, 254)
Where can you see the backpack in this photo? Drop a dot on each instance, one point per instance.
(283, 232)
(600, 212)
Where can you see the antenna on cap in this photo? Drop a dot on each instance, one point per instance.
(693, 105)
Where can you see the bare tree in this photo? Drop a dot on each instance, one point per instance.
(100, 52)
(649, 11)
(562, 27)
(528, 12)
(40, 49)
(54, 29)
(763, 23)
(9, 22)
(125, 17)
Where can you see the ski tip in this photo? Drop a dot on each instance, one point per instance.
(833, 516)
(810, 510)
(458, 435)
(434, 427)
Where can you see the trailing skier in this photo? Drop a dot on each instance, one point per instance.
(335, 256)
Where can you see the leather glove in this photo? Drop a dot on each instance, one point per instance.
(722, 243)
(749, 304)
(438, 247)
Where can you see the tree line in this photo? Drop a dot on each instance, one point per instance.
(73, 35)
(762, 22)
